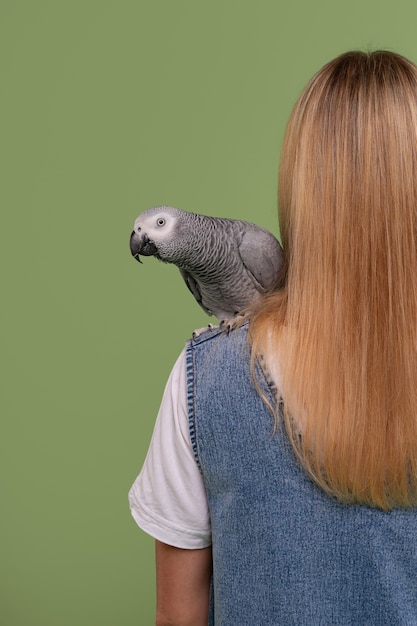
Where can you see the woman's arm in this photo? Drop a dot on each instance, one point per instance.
(183, 585)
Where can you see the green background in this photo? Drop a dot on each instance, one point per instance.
(108, 108)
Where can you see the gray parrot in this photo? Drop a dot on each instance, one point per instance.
(225, 263)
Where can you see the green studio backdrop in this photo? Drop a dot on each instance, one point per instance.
(108, 108)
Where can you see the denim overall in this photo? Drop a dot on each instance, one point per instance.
(284, 552)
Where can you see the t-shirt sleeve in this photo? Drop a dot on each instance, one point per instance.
(168, 499)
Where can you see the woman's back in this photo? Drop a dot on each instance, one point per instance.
(285, 552)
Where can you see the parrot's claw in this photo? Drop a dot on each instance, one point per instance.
(232, 323)
(199, 331)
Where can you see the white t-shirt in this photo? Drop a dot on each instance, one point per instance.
(168, 499)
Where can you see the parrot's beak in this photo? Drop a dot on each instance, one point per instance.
(135, 245)
(141, 244)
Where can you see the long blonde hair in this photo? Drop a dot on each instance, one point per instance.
(344, 320)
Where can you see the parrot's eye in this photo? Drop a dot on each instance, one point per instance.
(160, 221)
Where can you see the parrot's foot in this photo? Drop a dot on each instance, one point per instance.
(199, 331)
(233, 322)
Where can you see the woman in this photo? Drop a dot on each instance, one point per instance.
(304, 510)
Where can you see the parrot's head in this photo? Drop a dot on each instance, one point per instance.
(157, 232)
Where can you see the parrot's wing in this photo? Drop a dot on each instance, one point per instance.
(194, 288)
(261, 254)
